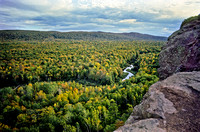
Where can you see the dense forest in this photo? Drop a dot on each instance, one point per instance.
(73, 85)
(24, 35)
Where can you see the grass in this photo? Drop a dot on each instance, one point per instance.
(190, 19)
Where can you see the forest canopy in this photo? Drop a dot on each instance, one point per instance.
(73, 85)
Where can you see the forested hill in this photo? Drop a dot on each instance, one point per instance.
(51, 35)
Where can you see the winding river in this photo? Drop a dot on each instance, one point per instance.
(129, 73)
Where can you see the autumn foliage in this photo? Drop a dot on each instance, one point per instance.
(73, 85)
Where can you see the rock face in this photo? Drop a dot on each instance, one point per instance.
(182, 51)
(171, 105)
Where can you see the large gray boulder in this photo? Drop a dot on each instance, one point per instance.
(182, 50)
(171, 105)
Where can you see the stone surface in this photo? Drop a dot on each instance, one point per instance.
(171, 105)
(147, 125)
(182, 51)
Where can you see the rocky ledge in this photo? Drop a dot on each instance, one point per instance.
(171, 105)
(182, 51)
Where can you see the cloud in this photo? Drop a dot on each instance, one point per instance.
(129, 21)
(166, 30)
(100, 3)
(154, 17)
(30, 22)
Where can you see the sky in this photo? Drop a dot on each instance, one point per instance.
(155, 17)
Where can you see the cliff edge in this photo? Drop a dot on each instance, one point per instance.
(181, 53)
(173, 104)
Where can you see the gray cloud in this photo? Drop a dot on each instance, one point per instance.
(95, 16)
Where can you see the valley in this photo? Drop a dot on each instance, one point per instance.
(70, 85)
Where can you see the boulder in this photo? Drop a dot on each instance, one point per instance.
(171, 105)
(181, 53)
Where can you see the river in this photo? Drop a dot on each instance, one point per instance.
(129, 73)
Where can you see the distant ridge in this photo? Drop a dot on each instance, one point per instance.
(28, 35)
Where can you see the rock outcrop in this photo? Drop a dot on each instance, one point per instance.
(182, 51)
(171, 105)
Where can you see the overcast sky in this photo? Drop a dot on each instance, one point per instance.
(156, 17)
